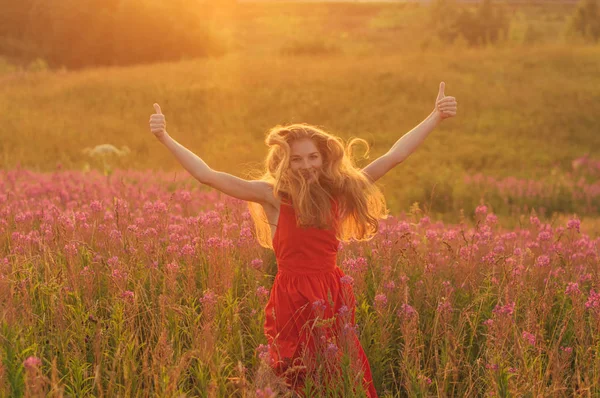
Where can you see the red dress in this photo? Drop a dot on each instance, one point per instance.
(307, 292)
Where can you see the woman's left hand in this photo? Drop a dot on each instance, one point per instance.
(445, 107)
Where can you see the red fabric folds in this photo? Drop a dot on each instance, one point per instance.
(310, 315)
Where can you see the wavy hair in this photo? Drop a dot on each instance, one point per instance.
(360, 202)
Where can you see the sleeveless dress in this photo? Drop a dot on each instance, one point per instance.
(311, 308)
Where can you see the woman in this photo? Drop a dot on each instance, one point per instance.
(310, 197)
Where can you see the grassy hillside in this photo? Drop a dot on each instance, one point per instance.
(523, 109)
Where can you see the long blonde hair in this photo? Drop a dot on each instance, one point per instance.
(360, 202)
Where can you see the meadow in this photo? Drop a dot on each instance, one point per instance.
(125, 277)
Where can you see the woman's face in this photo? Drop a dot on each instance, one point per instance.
(305, 158)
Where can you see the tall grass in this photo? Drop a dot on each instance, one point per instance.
(511, 120)
(135, 284)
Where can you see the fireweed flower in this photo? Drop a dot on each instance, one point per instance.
(491, 219)
(425, 379)
(533, 220)
(113, 261)
(380, 300)
(32, 362)
(358, 264)
(332, 349)
(491, 366)
(118, 274)
(389, 285)
(261, 291)
(530, 338)
(481, 210)
(430, 234)
(542, 261)
(544, 236)
(444, 306)
(343, 310)
(406, 310)
(572, 289)
(263, 352)
(209, 298)
(319, 305)
(256, 263)
(593, 301)
(172, 267)
(127, 294)
(349, 328)
(499, 249)
(188, 250)
(347, 280)
(507, 309)
(574, 224)
(96, 206)
(425, 221)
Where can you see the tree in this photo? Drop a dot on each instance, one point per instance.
(585, 20)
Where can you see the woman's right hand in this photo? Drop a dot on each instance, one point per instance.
(158, 124)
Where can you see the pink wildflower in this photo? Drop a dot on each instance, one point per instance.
(187, 250)
(574, 223)
(534, 221)
(343, 310)
(544, 236)
(172, 267)
(542, 261)
(481, 210)
(507, 309)
(32, 362)
(380, 300)
(256, 263)
(406, 309)
(389, 285)
(96, 206)
(491, 219)
(261, 291)
(425, 379)
(529, 337)
(572, 289)
(332, 349)
(209, 298)
(319, 305)
(127, 294)
(593, 301)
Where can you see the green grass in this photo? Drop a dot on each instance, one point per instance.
(354, 69)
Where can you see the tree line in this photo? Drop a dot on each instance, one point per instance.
(79, 33)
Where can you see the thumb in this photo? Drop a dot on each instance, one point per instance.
(441, 92)
(157, 109)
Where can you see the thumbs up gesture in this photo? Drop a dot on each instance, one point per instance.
(445, 107)
(158, 124)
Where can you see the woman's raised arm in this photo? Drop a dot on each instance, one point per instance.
(252, 191)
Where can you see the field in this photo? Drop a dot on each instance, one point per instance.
(125, 277)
